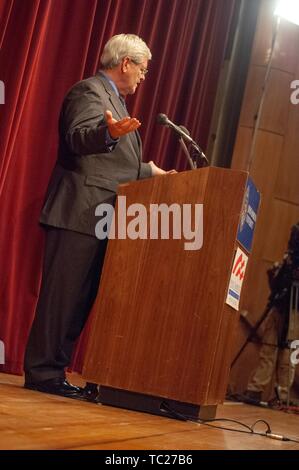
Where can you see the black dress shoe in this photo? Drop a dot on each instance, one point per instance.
(56, 386)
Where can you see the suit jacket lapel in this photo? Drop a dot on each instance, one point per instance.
(113, 98)
(120, 111)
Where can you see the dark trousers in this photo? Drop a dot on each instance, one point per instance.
(71, 274)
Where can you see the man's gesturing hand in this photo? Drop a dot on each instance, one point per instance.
(124, 126)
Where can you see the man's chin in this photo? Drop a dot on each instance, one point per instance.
(133, 89)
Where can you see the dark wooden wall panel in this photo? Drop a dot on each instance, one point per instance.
(274, 167)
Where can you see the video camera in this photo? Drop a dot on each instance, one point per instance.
(293, 245)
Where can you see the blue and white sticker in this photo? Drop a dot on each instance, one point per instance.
(248, 217)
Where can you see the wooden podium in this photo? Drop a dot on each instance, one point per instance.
(161, 333)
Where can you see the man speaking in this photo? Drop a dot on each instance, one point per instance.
(99, 147)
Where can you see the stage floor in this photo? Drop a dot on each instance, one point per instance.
(33, 420)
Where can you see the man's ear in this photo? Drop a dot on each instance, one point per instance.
(124, 64)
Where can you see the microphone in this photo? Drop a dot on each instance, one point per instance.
(197, 155)
(192, 163)
(184, 129)
(182, 132)
(164, 121)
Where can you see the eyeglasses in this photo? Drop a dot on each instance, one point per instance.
(141, 69)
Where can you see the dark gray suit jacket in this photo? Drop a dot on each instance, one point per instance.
(87, 171)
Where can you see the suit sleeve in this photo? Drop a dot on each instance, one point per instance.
(145, 171)
(82, 121)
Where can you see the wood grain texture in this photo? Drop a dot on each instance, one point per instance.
(275, 164)
(32, 420)
(286, 47)
(274, 114)
(160, 310)
(287, 186)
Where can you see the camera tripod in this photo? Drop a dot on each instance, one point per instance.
(253, 333)
(292, 332)
(293, 329)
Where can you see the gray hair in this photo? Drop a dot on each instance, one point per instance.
(124, 45)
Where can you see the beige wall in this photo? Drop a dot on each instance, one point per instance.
(274, 167)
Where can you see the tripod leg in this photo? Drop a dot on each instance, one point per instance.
(252, 334)
(292, 331)
(268, 355)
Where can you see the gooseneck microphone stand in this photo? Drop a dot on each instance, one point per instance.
(184, 136)
(192, 163)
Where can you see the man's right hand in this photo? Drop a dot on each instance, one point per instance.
(124, 126)
(156, 171)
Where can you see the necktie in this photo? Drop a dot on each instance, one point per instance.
(122, 100)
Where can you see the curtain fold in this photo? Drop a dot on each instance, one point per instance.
(45, 47)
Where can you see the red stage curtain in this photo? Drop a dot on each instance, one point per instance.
(45, 47)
